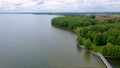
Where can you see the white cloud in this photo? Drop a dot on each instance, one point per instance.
(61, 5)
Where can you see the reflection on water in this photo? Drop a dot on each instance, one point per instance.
(87, 55)
(29, 41)
(115, 63)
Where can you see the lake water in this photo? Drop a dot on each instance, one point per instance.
(29, 41)
(115, 63)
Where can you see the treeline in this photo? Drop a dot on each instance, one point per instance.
(97, 34)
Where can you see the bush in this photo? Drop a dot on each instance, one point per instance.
(88, 43)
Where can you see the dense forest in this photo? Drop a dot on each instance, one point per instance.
(100, 33)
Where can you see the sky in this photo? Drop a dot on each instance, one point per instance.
(61, 5)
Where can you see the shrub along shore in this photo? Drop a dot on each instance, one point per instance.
(100, 33)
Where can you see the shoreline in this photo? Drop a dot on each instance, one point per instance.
(92, 52)
(97, 54)
(81, 46)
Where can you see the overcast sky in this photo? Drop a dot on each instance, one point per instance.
(61, 5)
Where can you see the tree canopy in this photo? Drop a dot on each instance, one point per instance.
(93, 33)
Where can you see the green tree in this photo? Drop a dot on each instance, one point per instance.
(89, 34)
(84, 32)
(111, 39)
(117, 42)
(98, 40)
(80, 40)
(109, 48)
(93, 16)
(88, 43)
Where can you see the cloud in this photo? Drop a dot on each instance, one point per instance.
(19, 4)
(61, 5)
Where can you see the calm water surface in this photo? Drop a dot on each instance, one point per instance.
(115, 63)
(29, 41)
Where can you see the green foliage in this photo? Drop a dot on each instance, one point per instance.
(89, 34)
(79, 30)
(88, 43)
(98, 39)
(111, 39)
(111, 50)
(93, 16)
(96, 34)
(84, 32)
(118, 41)
(72, 22)
(80, 40)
